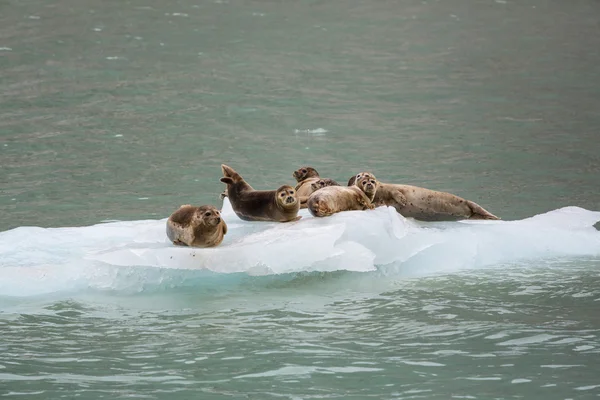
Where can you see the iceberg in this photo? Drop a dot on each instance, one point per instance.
(106, 256)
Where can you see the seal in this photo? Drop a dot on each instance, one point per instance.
(353, 179)
(333, 199)
(420, 203)
(305, 176)
(304, 173)
(279, 205)
(321, 183)
(196, 226)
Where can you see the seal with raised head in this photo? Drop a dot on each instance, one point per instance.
(279, 205)
(333, 199)
(305, 176)
(352, 180)
(196, 226)
(420, 203)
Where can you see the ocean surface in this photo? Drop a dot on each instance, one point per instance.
(114, 113)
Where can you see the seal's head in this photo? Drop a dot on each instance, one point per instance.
(207, 215)
(354, 180)
(286, 196)
(304, 173)
(367, 183)
(321, 183)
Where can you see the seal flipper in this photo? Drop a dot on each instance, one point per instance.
(399, 198)
(224, 227)
(480, 212)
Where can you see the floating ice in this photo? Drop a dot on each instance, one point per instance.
(315, 132)
(130, 255)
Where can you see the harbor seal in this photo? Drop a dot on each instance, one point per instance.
(305, 176)
(196, 226)
(279, 205)
(321, 183)
(420, 203)
(353, 179)
(333, 199)
(304, 173)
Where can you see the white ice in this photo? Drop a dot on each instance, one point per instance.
(36, 260)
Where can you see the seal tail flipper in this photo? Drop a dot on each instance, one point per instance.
(229, 174)
(319, 209)
(480, 212)
(227, 170)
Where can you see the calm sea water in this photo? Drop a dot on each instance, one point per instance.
(123, 110)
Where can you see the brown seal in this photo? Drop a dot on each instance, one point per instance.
(420, 203)
(279, 205)
(196, 226)
(305, 176)
(304, 173)
(333, 199)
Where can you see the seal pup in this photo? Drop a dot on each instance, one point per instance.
(420, 203)
(196, 226)
(321, 183)
(279, 205)
(305, 176)
(333, 199)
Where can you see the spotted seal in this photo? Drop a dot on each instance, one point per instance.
(196, 226)
(420, 203)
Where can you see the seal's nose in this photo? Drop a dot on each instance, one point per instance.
(218, 220)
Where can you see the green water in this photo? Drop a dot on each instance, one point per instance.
(123, 110)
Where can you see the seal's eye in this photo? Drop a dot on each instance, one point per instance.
(291, 192)
(373, 182)
(282, 194)
(303, 171)
(207, 214)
